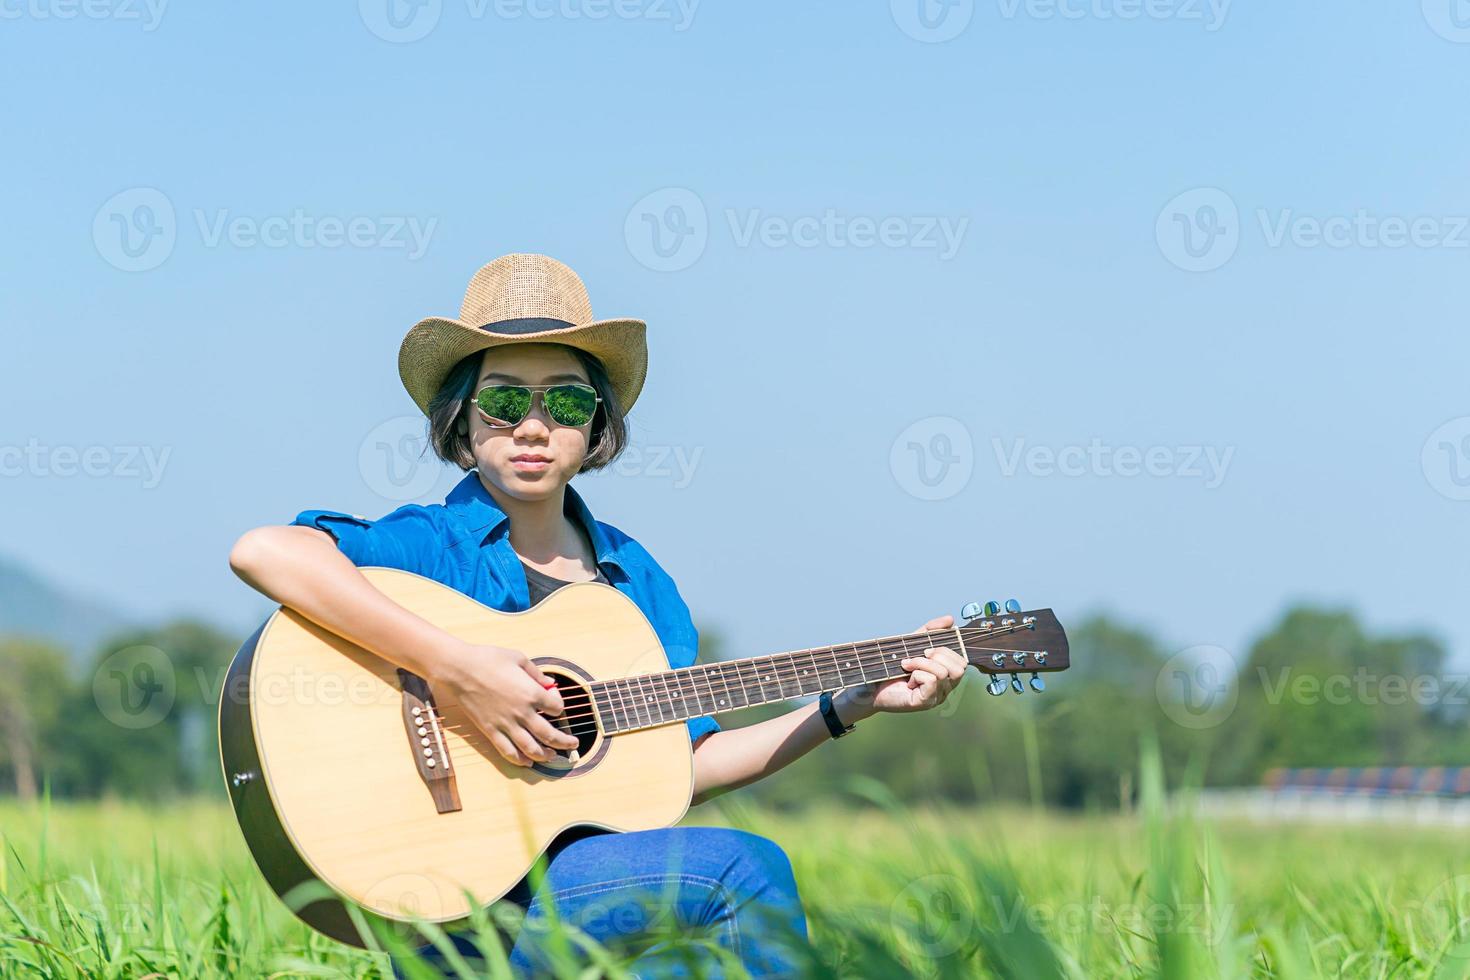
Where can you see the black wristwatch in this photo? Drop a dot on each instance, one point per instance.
(829, 715)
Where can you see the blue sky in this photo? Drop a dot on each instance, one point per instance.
(1153, 308)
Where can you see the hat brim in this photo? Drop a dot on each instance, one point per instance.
(435, 345)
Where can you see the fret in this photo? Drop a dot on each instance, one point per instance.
(632, 702)
(893, 663)
(649, 687)
(670, 680)
(790, 677)
(745, 693)
(604, 708)
(728, 701)
(642, 712)
(845, 665)
(765, 673)
(811, 675)
(675, 702)
(624, 709)
(704, 703)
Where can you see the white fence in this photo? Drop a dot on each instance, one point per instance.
(1267, 806)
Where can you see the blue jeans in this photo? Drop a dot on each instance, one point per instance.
(634, 892)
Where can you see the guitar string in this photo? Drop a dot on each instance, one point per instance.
(484, 747)
(631, 707)
(781, 675)
(632, 701)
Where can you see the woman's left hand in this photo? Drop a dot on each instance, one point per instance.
(933, 673)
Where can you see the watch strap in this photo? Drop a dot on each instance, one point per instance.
(829, 715)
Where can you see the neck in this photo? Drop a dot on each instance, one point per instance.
(651, 700)
(539, 529)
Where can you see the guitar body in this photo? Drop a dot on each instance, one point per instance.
(325, 772)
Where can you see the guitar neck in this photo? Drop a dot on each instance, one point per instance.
(650, 700)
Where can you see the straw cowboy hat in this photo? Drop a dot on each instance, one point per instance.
(520, 299)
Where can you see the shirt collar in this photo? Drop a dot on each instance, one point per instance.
(480, 513)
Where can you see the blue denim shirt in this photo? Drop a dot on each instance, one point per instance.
(464, 543)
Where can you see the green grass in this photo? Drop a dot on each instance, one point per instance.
(121, 890)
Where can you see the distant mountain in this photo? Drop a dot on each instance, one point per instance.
(32, 606)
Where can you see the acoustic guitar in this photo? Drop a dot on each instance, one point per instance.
(347, 771)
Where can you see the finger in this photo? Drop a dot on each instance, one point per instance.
(938, 623)
(548, 701)
(921, 677)
(506, 748)
(534, 672)
(927, 691)
(530, 748)
(548, 734)
(950, 663)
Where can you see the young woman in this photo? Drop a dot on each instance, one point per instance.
(525, 391)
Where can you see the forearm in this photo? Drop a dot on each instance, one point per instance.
(302, 568)
(737, 757)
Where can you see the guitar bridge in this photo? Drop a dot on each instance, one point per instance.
(426, 738)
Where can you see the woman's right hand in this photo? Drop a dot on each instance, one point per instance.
(505, 695)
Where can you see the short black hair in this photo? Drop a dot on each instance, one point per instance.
(450, 406)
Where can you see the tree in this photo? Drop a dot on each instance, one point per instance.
(34, 686)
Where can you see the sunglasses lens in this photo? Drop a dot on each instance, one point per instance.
(504, 404)
(571, 404)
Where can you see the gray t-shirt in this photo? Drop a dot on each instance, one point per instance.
(542, 585)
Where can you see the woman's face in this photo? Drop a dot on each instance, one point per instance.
(536, 458)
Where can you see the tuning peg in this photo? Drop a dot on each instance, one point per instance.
(996, 687)
(1038, 684)
(971, 610)
(1012, 606)
(992, 608)
(1016, 685)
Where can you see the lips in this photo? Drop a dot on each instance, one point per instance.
(530, 458)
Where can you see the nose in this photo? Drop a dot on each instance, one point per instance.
(536, 421)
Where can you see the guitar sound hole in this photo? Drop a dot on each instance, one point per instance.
(577, 720)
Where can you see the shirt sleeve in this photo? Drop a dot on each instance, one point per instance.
(400, 539)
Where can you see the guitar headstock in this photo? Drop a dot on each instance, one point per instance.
(1009, 641)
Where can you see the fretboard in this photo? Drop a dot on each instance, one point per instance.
(650, 700)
